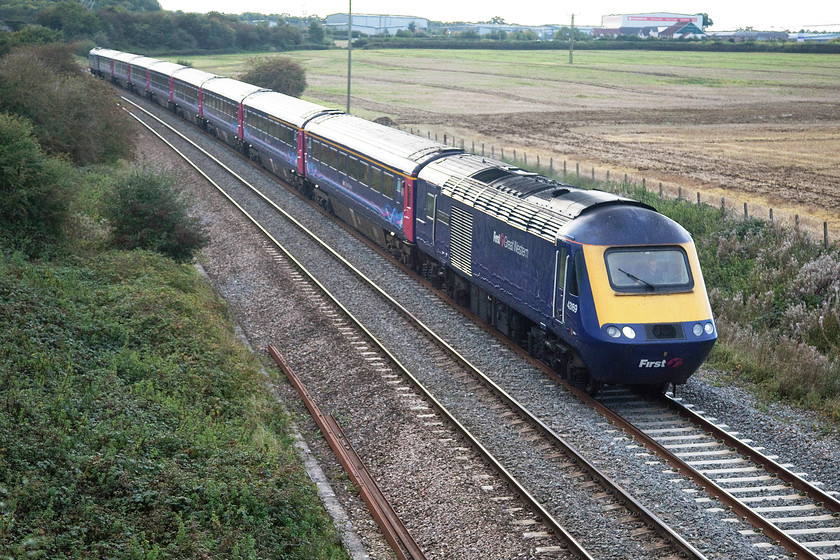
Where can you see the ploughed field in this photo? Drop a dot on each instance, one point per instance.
(761, 128)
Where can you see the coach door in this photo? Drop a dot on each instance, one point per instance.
(561, 264)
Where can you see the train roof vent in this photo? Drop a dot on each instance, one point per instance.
(491, 174)
(504, 206)
(571, 203)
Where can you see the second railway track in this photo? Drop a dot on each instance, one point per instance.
(559, 410)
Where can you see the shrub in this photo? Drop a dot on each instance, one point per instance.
(145, 212)
(35, 191)
(282, 74)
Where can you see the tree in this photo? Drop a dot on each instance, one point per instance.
(29, 35)
(282, 74)
(72, 113)
(316, 32)
(145, 211)
(71, 18)
(707, 21)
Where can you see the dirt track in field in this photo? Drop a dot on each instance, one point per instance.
(773, 143)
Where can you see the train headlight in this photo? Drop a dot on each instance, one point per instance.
(710, 328)
(697, 329)
(629, 332)
(613, 332)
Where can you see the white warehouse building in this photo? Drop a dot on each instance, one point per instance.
(658, 19)
(372, 24)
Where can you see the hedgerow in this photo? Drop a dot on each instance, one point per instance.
(35, 191)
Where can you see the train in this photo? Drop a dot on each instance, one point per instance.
(602, 288)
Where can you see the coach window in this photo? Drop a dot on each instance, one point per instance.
(364, 170)
(353, 167)
(378, 174)
(388, 185)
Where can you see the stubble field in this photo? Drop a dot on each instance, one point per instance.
(761, 128)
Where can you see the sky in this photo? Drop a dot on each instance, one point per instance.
(727, 15)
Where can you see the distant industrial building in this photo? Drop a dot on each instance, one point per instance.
(744, 35)
(816, 37)
(658, 20)
(374, 24)
(658, 24)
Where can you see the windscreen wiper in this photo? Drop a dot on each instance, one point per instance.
(647, 284)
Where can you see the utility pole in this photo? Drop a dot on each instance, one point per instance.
(349, 47)
(572, 40)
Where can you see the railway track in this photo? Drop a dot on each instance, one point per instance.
(637, 528)
(529, 514)
(660, 545)
(781, 505)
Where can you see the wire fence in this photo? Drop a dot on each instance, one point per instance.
(572, 172)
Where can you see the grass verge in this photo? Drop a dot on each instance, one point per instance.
(134, 425)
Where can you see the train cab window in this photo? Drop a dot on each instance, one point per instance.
(430, 206)
(650, 269)
(576, 274)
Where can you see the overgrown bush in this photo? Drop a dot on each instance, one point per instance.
(282, 74)
(72, 113)
(145, 211)
(35, 191)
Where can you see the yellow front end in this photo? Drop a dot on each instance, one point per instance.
(645, 308)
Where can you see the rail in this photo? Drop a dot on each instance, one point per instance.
(392, 527)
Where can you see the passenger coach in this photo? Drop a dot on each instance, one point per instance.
(366, 173)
